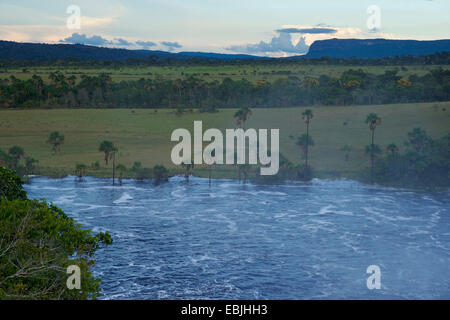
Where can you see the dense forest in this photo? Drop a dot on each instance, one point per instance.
(353, 86)
(439, 58)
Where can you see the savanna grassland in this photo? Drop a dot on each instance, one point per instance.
(144, 134)
(251, 72)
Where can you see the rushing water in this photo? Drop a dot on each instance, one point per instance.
(226, 240)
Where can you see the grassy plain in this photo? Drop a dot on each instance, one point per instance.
(144, 135)
(252, 72)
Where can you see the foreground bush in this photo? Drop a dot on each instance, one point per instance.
(38, 241)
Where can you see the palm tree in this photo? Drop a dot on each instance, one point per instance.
(109, 149)
(307, 115)
(242, 115)
(213, 154)
(56, 140)
(80, 169)
(110, 153)
(372, 120)
(304, 141)
(39, 83)
(121, 169)
(393, 149)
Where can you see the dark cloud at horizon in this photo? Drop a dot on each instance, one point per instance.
(146, 44)
(171, 45)
(122, 42)
(308, 30)
(96, 40)
(280, 43)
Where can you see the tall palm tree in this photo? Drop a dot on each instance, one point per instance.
(242, 115)
(305, 141)
(121, 168)
(213, 154)
(55, 139)
(307, 115)
(108, 148)
(372, 120)
(39, 83)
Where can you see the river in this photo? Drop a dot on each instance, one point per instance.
(226, 240)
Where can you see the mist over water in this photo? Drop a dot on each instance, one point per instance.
(226, 240)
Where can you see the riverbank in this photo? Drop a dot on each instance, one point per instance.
(143, 135)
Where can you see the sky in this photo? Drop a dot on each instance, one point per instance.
(258, 27)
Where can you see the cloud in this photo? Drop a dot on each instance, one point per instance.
(308, 30)
(83, 39)
(96, 40)
(122, 42)
(171, 45)
(33, 33)
(321, 32)
(146, 44)
(96, 22)
(281, 44)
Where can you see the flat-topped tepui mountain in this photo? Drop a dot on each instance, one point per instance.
(375, 48)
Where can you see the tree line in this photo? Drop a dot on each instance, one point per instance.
(352, 87)
(438, 58)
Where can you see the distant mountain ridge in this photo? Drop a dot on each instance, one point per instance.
(10, 50)
(333, 48)
(374, 48)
